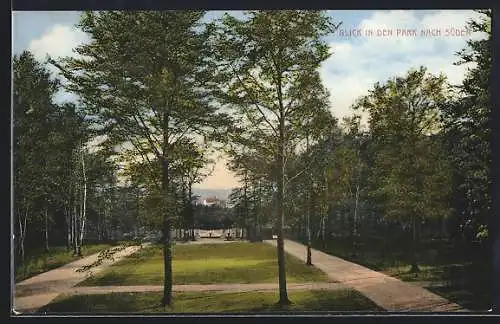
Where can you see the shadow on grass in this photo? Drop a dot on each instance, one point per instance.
(252, 302)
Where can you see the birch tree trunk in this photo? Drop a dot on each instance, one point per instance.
(191, 211)
(308, 209)
(22, 233)
(68, 227)
(46, 230)
(84, 205)
(75, 230)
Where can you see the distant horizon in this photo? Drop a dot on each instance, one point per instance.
(221, 193)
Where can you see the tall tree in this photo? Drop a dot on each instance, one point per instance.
(267, 62)
(468, 133)
(411, 170)
(142, 77)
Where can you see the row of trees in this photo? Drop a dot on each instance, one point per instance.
(420, 168)
(162, 85)
(59, 183)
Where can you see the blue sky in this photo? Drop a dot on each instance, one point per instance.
(356, 63)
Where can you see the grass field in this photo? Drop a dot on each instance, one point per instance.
(239, 262)
(339, 300)
(39, 261)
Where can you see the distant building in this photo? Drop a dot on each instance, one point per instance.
(211, 201)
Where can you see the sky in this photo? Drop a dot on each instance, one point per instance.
(369, 46)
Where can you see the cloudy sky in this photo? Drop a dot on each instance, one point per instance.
(397, 43)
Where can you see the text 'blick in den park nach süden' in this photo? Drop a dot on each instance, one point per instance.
(403, 32)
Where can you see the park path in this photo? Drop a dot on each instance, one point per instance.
(387, 292)
(223, 288)
(38, 291)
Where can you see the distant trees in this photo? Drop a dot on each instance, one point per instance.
(34, 115)
(57, 179)
(45, 151)
(421, 167)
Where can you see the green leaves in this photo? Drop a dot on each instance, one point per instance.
(267, 64)
(468, 134)
(410, 169)
(143, 78)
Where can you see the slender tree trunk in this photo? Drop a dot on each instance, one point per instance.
(355, 221)
(67, 209)
(68, 228)
(308, 209)
(167, 225)
(167, 252)
(308, 228)
(414, 264)
(321, 227)
(75, 231)
(327, 222)
(309, 260)
(326, 229)
(259, 211)
(22, 233)
(72, 226)
(46, 214)
(283, 299)
(191, 211)
(99, 226)
(84, 205)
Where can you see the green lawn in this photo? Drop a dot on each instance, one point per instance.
(465, 275)
(339, 300)
(39, 261)
(239, 262)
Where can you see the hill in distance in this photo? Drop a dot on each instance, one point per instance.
(208, 192)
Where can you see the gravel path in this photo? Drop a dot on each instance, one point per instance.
(389, 293)
(227, 288)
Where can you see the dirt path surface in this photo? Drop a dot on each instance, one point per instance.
(387, 292)
(38, 291)
(204, 288)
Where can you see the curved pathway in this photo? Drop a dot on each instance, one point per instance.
(387, 292)
(38, 291)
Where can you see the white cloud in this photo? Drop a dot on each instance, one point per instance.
(358, 62)
(59, 41)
